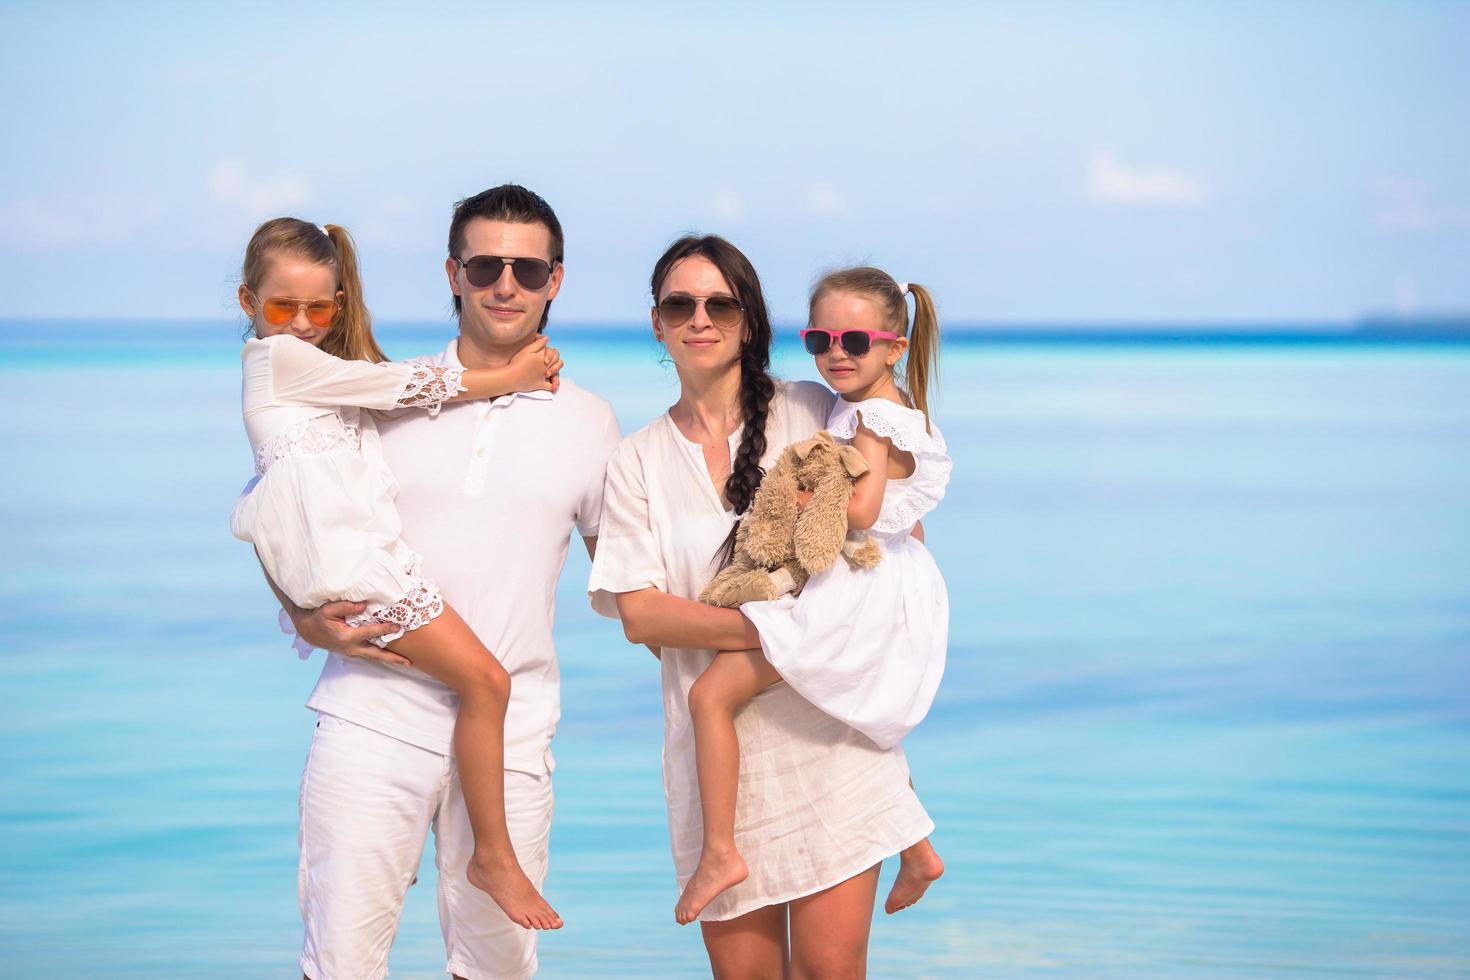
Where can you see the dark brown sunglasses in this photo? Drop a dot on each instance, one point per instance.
(486, 270)
(678, 309)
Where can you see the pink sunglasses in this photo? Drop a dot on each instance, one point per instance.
(855, 341)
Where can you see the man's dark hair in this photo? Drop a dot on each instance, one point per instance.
(508, 202)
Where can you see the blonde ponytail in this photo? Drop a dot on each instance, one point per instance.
(922, 371)
(351, 337)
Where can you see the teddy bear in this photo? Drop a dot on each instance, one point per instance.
(780, 545)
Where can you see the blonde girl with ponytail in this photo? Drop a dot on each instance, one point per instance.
(321, 511)
(867, 646)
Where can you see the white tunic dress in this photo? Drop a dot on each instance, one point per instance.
(867, 645)
(818, 802)
(321, 512)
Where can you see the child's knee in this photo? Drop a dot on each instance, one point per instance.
(707, 697)
(487, 681)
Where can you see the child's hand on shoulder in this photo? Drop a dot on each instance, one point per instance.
(537, 366)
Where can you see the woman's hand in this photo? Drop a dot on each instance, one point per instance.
(326, 627)
(537, 367)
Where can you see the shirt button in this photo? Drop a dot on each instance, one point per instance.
(487, 416)
(480, 451)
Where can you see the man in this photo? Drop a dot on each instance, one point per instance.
(489, 493)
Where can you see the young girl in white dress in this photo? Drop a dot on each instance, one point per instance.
(321, 513)
(867, 646)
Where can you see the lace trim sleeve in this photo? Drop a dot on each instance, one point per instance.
(904, 501)
(430, 386)
(905, 426)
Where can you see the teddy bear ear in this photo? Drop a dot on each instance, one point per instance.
(803, 449)
(853, 461)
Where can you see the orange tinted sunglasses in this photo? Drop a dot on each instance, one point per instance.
(279, 309)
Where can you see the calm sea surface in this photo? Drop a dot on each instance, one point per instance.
(1207, 710)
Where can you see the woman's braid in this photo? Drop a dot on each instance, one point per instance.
(756, 392)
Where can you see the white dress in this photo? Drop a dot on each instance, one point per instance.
(818, 802)
(320, 511)
(867, 645)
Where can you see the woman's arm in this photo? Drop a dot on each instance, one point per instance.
(867, 491)
(657, 619)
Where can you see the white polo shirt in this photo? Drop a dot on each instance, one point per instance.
(489, 492)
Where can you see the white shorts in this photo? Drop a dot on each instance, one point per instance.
(368, 801)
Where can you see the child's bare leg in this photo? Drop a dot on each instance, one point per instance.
(447, 649)
(733, 679)
(918, 868)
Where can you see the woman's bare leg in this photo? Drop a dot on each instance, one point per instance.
(726, 685)
(748, 947)
(829, 930)
(447, 649)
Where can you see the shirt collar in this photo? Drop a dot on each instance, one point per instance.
(451, 359)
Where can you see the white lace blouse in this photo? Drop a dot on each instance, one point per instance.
(321, 511)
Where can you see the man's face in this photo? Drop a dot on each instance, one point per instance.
(504, 313)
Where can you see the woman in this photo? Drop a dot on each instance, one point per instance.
(820, 806)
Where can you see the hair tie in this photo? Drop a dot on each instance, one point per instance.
(903, 289)
(323, 230)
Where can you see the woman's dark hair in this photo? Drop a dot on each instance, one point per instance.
(756, 387)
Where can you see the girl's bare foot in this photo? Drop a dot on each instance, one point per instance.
(717, 871)
(505, 882)
(918, 868)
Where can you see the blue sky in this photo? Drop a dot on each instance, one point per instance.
(1029, 162)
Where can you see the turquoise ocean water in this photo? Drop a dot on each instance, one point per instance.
(1207, 710)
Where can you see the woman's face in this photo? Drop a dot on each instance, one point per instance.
(699, 347)
(296, 279)
(861, 376)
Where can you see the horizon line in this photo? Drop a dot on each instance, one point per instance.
(1453, 321)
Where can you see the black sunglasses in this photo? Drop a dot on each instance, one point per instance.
(486, 270)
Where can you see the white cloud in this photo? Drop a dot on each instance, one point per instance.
(728, 205)
(823, 198)
(1109, 182)
(230, 187)
(72, 220)
(388, 223)
(1406, 296)
(1406, 204)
